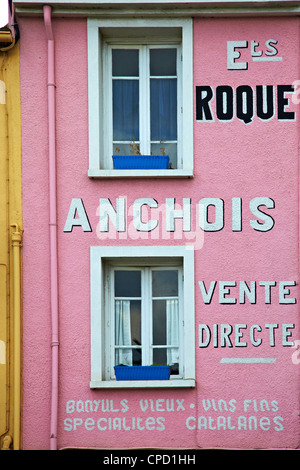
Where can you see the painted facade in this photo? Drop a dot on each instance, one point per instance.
(225, 216)
(10, 237)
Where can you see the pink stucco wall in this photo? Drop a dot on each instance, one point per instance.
(232, 160)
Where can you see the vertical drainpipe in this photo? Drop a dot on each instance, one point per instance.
(16, 240)
(52, 228)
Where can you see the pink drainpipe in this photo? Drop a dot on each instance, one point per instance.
(52, 227)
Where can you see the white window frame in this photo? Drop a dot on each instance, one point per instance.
(102, 32)
(146, 307)
(100, 257)
(144, 97)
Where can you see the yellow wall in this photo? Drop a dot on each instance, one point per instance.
(10, 250)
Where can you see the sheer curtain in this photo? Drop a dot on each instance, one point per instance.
(173, 331)
(123, 332)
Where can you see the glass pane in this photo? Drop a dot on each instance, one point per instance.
(127, 283)
(127, 331)
(159, 322)
(126, 149)
(125, 110)
(163, 357)
(135, 319)
(175, 365)
(164, 148)
(165, 283)
(134, 356)
(163, 62)
(137, 357)
(165, 322)
(125, 63)
(160, 357)
(163, 109)
(127, 322)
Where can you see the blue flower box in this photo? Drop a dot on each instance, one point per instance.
(142, 372)
(141, 162)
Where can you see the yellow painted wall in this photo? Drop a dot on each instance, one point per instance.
(10, 256)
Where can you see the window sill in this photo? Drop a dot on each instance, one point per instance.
(96, 173)
(180, 383)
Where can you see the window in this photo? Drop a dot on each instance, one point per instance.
(145, 316)
(140, 95)
(143, 95)
(142, 313)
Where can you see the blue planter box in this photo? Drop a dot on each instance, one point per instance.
(141, 162)
(142, 372)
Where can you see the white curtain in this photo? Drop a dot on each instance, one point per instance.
(123, 332)
(173, 331)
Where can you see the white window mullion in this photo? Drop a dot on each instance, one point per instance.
(181, 321)
(150, 318)
(144, 101)
(110, 322)
(146, 323)
(179, 108)
(108, 106)
(151, 350)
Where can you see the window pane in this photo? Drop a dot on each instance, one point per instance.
(135, 319)
(125, 63)
(161, 356)
(165, 322)
(165, 327)
(127, 322)
(127, 283)
(126, 149)
(159, 322)
(165, 283)
(122, 355)
(125, 110)
(163, 109)
(163, 62)
(165, 148)
(127, 331)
